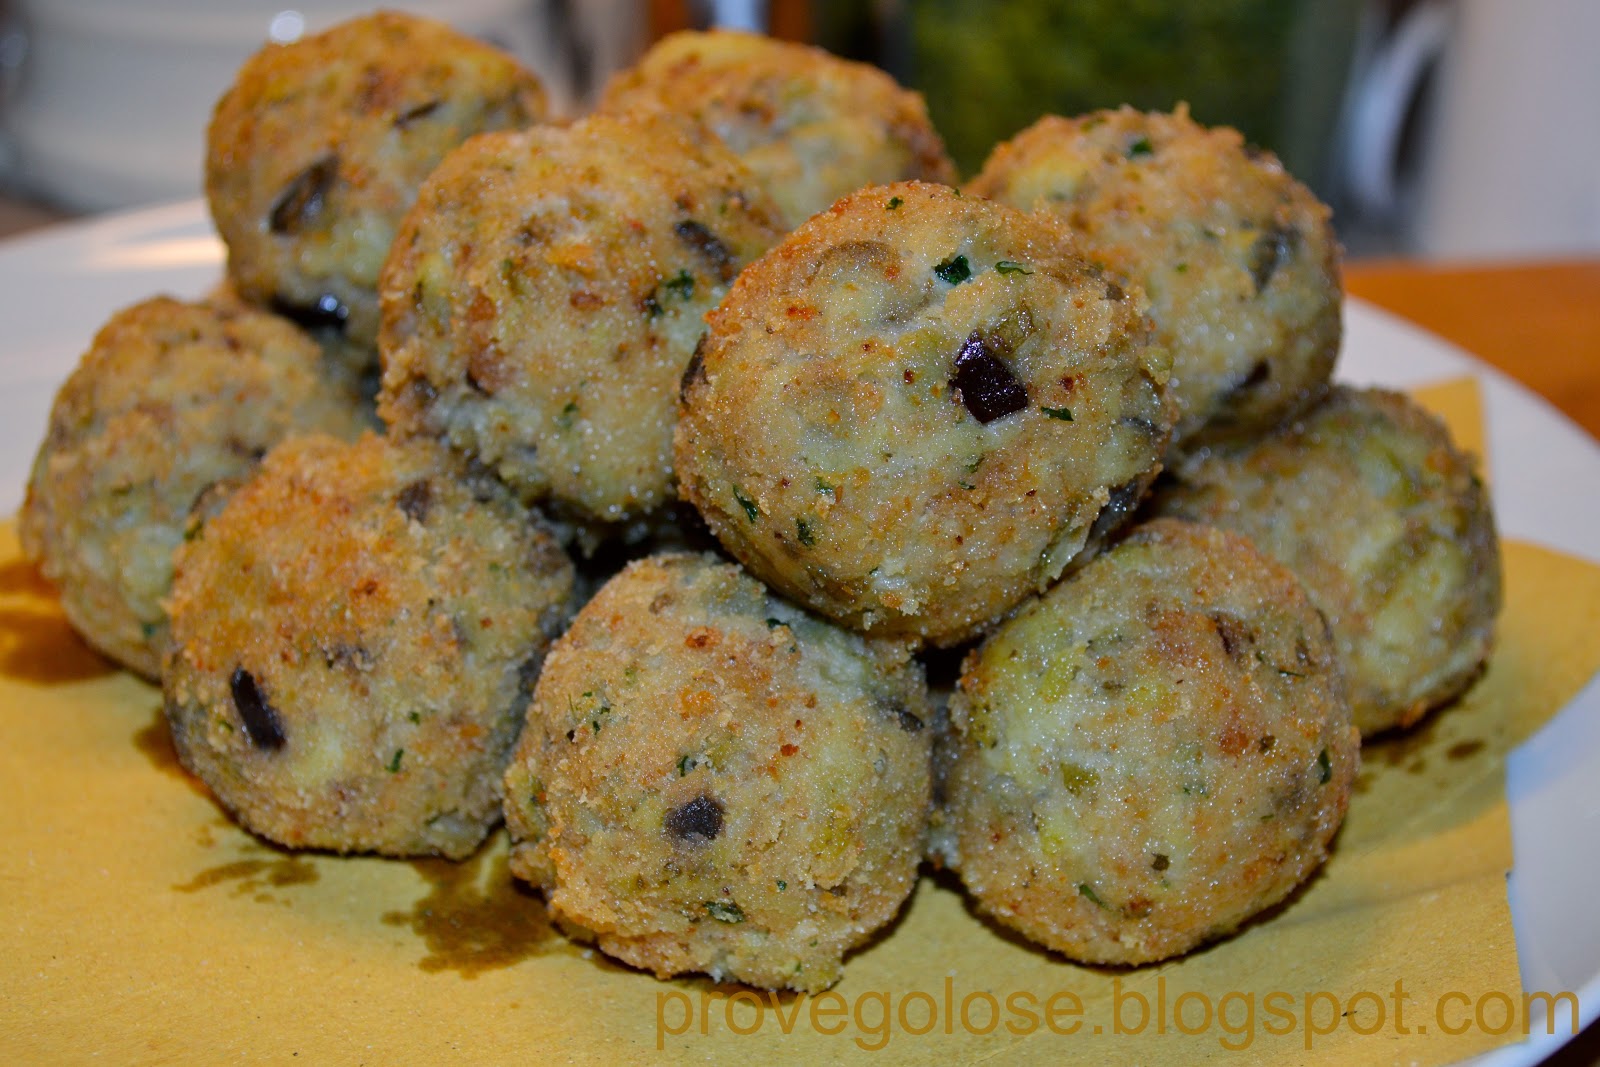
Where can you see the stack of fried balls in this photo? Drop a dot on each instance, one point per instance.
(621, 478)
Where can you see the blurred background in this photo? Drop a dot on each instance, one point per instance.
(1446, 129)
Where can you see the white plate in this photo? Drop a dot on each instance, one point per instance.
(57, 287)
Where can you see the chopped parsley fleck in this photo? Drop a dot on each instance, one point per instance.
(954, 270)
(751, 512)
(824, 487)
(773, 623)
(1064, 414)
(782, 885)
(564, 420)
(1006, 266)
(1141, 147)
(415, 716)
(725, 911)
(1084, 889)
(802, 529)
(687, 764)
(894, 202)
(680, 285)
(1324, 768)
(394, 763)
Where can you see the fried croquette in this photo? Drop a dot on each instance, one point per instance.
(317, 150)
(1150, 754)
(1373, 507)
(919, 408)
(811, 126)
(1239, 260)
(546, 293)
(712, 780)
(173, 404)
(355, 637)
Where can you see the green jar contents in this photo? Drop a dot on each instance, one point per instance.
(1274, 69)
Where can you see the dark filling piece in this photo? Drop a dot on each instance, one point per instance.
(261, 723)
(709, 247)
(1270, 252)
(328, 313)
(421, 111)
(696, 823)
(416, 500)
(1257, 375)
(305, 197)
(244, 450)
(1235, 634)
(1124, 499)
(695, 371)
(902, 715)
(527, 678)
(987, 387)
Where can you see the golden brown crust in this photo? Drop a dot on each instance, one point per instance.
(711, 780)
(1406, 567)
(1152, 753)
(1240, 261)
(172, 403)
(354, 639)
(811, 126)
(317, 150)
(546, 292)
(915, 409)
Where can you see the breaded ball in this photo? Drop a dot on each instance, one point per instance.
(712, 780)
(811, 126)
(354, 641)
(173, 404)
(546, 293)
(1150, 754)
(317, 150)
(1372, 506)
(1239, 260)
(918, 408)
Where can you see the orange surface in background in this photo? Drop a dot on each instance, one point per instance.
(1538, 322)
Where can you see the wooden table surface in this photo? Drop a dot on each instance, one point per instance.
(1538, 322)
